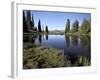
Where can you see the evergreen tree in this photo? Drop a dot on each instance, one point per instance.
(67, 29)
(25, 29)
(29, 22)
(33, 22)
(75, 26)
(46, 29)
(39, 26)
(85, 27)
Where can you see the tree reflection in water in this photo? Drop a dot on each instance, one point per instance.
(85, 40)
(67, 38)
(70, 59)
(74, 40)
(78, 60)
(46, 36)
(40, 38)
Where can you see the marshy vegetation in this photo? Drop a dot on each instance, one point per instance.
(42, 57)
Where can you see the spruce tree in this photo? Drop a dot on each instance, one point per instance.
(33, 21)
(85, 27)
(67, 29)
(75, 26)
(46, 29)
(25, 29)
(29, 22)
(39, 26)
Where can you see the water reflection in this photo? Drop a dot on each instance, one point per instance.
(40, 38)
(85, 40)
(81, 41)
(46, 36)
(67, 38)
(76, 48)
(27, 39)
(74, 40)
(78, 60)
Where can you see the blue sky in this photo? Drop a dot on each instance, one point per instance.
(57, 20)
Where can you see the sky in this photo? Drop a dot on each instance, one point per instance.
(57, 20)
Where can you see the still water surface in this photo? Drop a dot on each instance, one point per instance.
(73, 46)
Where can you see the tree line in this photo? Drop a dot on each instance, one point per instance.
(29, 25)
(84, 28)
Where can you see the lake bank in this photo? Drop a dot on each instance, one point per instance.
(57, 33)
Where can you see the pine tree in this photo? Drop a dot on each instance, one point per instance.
(46, 29)
(29, 22)
(67, 29)
(25, 29)
(85, 27)
(75, 26)
(39, 26)
(33, 21)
